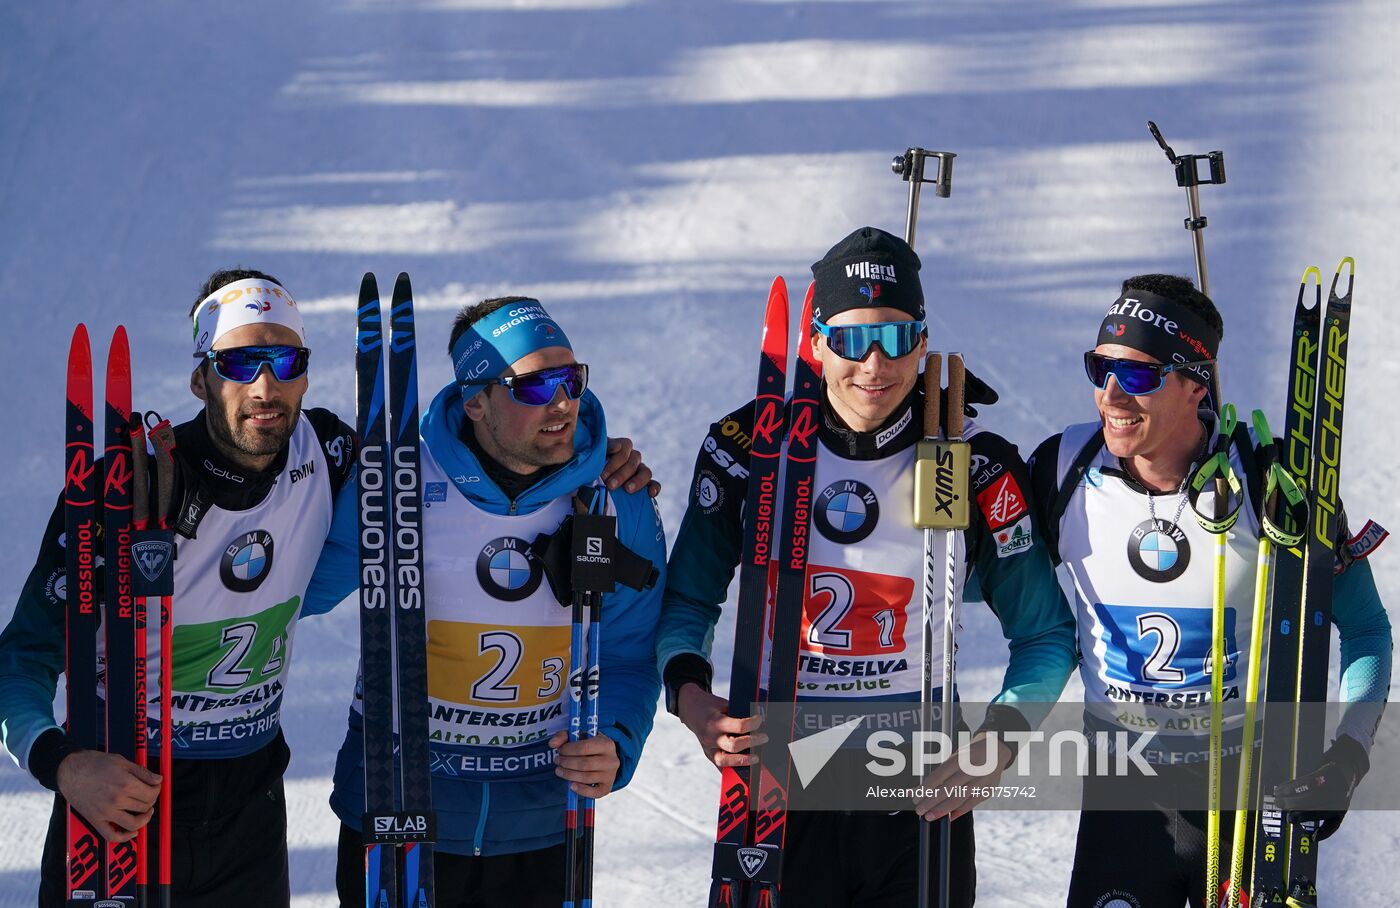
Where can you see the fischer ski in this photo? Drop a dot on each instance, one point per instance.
(1271, 838)
(1315, 623)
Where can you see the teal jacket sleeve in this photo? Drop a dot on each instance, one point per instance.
(706, 552)
(1013, 570)
(32, 651)
(629, 681)
(337, 570)
(1366, 645)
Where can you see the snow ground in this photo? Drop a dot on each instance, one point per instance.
(645, 169)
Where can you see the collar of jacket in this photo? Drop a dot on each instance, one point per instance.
(900, 430)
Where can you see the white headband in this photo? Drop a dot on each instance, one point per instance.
(246, 302)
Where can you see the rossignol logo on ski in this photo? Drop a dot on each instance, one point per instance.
(751, 860)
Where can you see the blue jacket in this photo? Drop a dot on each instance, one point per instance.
(478, 816)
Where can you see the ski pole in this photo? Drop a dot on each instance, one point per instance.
(593, 536)
(1284, 505)
(162, 434)
(941, 472)
(1217, 472)
(910, 167)
(590, 693)
(146, 561)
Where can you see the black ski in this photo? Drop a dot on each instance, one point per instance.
(84, 845)
(1271, 838)
(376, 624)
(1315, 625)
(789, 599)
(735, 834)
(410, 626)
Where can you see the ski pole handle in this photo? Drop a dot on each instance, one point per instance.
(957, 392)
(162, 435)
(140, 477)
(933, 394)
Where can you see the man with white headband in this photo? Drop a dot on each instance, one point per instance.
(258, 480)
(506, 446)
(1111, 495)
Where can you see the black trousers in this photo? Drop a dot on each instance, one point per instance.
(232, 860)
(529, 879)
(1153, 857)
(834, 859)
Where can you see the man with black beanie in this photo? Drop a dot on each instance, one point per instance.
(869, 335)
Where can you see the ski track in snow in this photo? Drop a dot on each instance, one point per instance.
(645, 169)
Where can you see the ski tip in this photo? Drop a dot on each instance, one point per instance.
(403, 290)
(80, 343)
(119, 354)
(1349, 264)
(369, 288)
(778, 286)
(804, 327)
(1315, 274)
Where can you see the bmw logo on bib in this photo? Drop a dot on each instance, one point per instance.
(506, 570)
(1158, 550)
(246, 561)
(847, 511)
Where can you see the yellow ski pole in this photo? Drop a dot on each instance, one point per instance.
(1280, 492)
(1224, 509)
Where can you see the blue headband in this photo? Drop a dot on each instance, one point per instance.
(491, 344)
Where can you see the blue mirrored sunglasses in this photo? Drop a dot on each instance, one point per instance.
(536, 389)
(1134, 377)
(242, 364)
(854, 342)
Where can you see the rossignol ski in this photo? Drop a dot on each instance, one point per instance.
(789, 601)
(84, 845)
(734, 855)
(119, 620)
(398, 821)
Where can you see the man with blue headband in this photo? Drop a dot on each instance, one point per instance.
(506, 447)
(1111, 494)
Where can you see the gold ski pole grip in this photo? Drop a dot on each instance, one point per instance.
(943, 460)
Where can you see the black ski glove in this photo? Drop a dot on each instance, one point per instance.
(975, 391)
(1323, 795)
